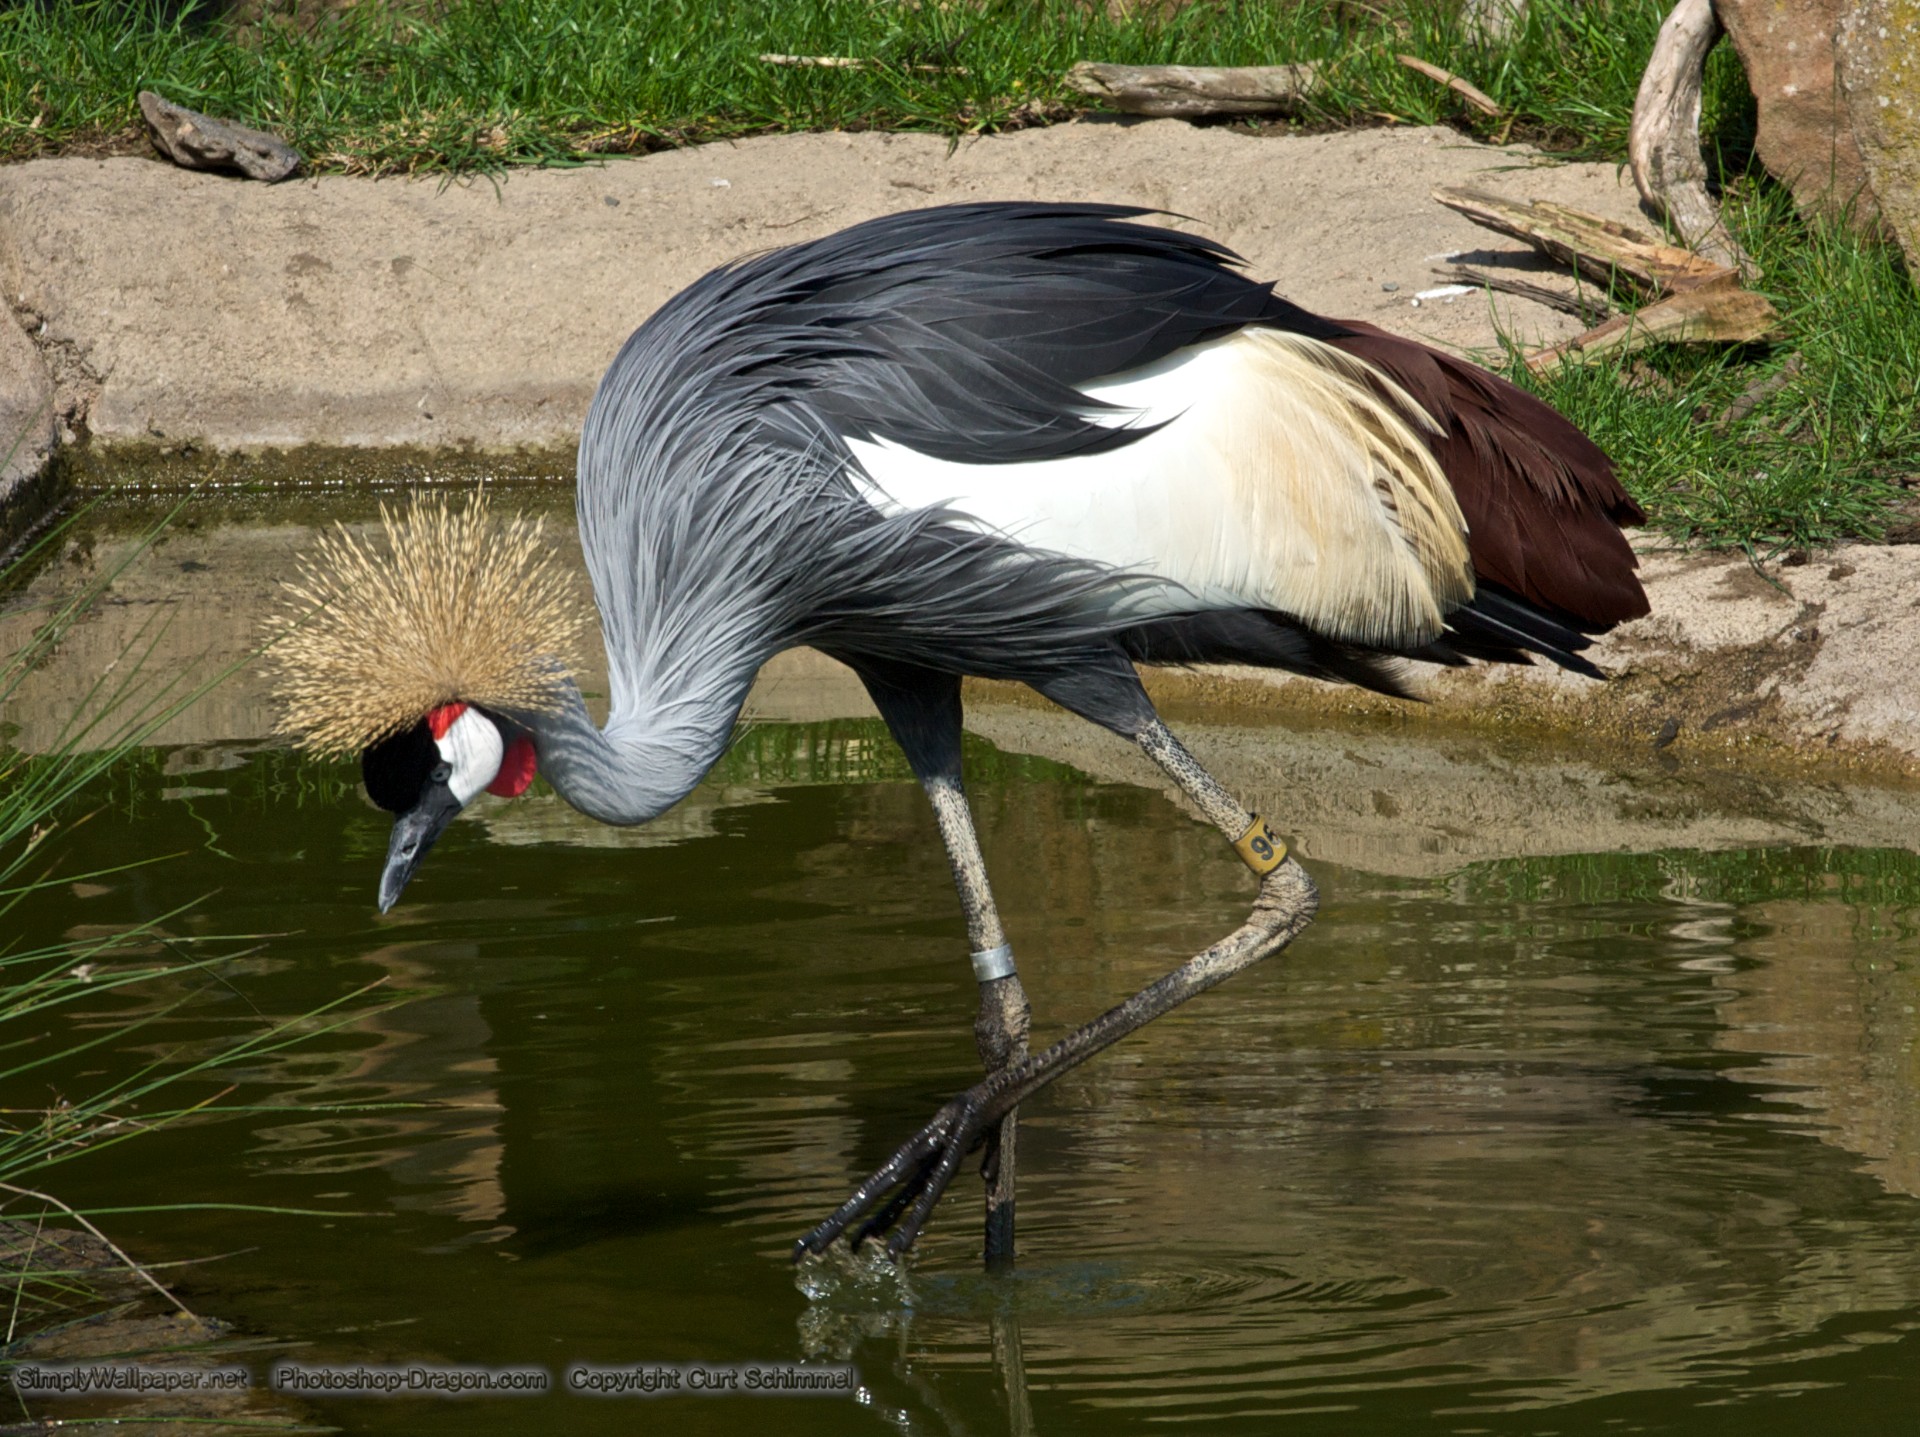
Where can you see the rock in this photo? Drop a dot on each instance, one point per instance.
(1805, 136)
(1879, 54)
(200, 142)
(27, 428)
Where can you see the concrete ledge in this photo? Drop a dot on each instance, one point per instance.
(27, 432)
(187, 316)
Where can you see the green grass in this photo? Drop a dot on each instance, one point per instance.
(480, 83)
(1818, 460)
(454, 86)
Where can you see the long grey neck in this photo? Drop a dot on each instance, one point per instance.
(648, 758)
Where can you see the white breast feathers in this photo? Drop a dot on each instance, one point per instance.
(1287, 475)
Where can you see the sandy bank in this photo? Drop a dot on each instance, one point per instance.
(1815, 664)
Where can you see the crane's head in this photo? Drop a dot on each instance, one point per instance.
(418, 659)
(426, 774)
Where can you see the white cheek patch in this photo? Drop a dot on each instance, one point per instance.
(473, 749)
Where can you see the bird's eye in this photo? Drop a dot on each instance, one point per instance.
(442, 772)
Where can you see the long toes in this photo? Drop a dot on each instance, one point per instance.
(862, 1198)
(883, 1220)
(908, 1165)
(936, 1183)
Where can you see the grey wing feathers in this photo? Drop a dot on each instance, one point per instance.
(713, 479)
(964, 331)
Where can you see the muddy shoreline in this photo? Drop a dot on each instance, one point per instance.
(76, 1304)
(1483, 770)
(1797, 671)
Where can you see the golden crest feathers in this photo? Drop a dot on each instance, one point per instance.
(459, 608)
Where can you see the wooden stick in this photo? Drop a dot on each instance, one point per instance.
(1663, 143)
(1472, 94)
(1603, 251)
(1721, 314)
(851, 62)
(1586, 308)
(1189, 92)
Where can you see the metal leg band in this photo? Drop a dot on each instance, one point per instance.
(1260, 848)
(992, 963)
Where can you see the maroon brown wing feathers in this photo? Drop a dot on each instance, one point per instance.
(1543, 509)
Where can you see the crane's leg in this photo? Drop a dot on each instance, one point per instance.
(1004, 1018)
(900, 1196)
(922, 708)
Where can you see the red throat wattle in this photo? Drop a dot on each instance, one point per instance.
(516, 769)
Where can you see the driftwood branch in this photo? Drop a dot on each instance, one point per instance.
(1698, 300)
(1472, 94)
(1191, 92)
(1603, 251)
(199, 142)
(1722, 314)
(1663, 144)
(1586, 308)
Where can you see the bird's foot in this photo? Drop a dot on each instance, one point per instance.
(899, 1198)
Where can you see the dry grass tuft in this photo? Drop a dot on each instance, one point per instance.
(460, 608)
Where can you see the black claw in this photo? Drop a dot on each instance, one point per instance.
(934, 1185)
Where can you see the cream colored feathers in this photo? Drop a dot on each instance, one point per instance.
(1284, 475)
(1327, 450)
(459, 608)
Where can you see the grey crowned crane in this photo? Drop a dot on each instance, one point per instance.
(1027, 442)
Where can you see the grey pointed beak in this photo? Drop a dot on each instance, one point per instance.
(414, 833)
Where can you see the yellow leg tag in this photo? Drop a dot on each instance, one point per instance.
(1260, 847)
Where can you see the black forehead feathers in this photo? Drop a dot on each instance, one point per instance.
(395, 770)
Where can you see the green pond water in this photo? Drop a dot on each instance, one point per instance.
(1624, 1142)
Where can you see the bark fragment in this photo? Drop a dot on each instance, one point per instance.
(199, 142)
